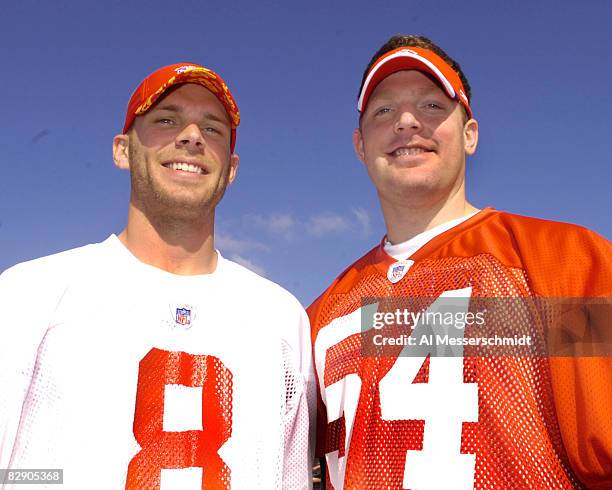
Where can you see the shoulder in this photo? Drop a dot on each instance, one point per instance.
(553, 237)
(272, 308)
(247, 285)
(539, 225)
(30, 293)
(346, 281)
(33, 289)
(48, 269)
(560, 259)
(506, 234)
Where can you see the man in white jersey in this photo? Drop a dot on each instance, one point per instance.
(149, 360)
(396, 410)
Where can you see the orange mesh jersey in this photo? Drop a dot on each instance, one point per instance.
(503, 422)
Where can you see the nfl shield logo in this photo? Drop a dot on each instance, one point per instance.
(183, 316)
(397, 271)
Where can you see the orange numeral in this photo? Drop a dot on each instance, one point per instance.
(188, 449)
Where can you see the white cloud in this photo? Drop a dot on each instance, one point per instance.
(230, 245)
(271, 226)
(326, 223)
(276, 223)
(249, 264)
(363, 218)
(237, 249)
(281, 223)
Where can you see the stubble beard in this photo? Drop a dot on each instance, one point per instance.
(162, 208)
(420, 191)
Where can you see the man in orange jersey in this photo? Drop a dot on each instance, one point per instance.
(514, 391)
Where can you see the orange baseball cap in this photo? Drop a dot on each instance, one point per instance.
(162, 79)
(413, 58)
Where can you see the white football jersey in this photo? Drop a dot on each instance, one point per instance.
(127, 376)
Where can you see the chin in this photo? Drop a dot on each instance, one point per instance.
(186, 212)
(181, 201)
(424, 182)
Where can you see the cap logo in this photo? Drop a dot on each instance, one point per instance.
(182, 69)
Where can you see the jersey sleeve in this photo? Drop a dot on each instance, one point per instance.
(583, 397)
(30, 293)
(582, 375)
(320, 422)
(343, 283)
(300, 408)
(23, 323)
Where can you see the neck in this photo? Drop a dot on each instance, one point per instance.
(406, 220)
(184, 247)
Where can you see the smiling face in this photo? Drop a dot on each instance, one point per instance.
(413, 140)
(178, 154)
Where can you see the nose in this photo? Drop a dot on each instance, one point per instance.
(405, 121)
(190, 138)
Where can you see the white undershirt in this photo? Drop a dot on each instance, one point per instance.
(403, 250)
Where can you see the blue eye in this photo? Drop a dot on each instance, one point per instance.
(382, 110)
(435, 106)
(210, 130)
(164, 120)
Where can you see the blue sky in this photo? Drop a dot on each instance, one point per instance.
(302, 207)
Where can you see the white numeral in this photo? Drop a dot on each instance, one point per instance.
(444, 403)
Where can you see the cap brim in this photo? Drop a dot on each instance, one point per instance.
(413, 58)
(401, 60)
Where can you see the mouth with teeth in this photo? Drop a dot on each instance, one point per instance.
(185, 167)
(412, 151)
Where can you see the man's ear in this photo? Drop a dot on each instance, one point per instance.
(358, 144)
(120, 151)
(233, 170)
(470, 136)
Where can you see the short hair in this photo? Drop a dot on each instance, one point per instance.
(400, 41)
